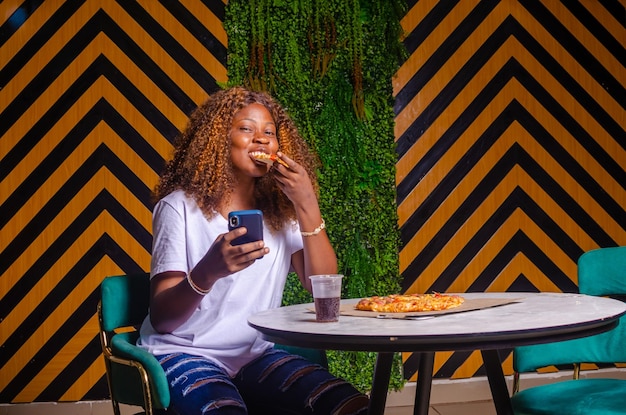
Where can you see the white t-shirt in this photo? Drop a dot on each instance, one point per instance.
(218, 328)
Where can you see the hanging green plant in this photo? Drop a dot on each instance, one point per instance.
(331, 62)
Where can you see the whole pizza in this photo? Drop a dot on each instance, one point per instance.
(404, 303)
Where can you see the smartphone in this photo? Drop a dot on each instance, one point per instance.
(252, 220)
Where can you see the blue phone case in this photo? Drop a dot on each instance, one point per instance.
(252, 220)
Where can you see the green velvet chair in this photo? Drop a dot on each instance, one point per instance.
(601, 272)
(134, 376)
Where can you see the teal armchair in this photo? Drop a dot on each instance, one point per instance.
(134, 376)
(601, 272)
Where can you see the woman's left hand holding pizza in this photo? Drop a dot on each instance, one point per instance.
(294, 182)
(318, 255)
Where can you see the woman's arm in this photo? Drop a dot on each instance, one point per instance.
(317, 256)
(172, 301)
(172, 297)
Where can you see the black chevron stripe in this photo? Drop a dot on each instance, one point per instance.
(101, 111)
(614, 46)
(427, 25)
(580, 174)
(104, 201)
(103, 67)
(616, 9)
(100, 22)
(517, 200)
(37, 41)
(79, 365)
(612, 126)
(131, 137)
(196, 28)
(17, 19)
(104, 246)
(56, 157)
(520, 114)
(451, 365)
(522, 243)
(434, 62)
(502, 354)
(409, 3)
(507, 28)
(186, 60)
(44, 78)
(515, 156)
(519, 243)
(573, 46)
(217, 7)
(99, 68)
(147, 65)
(521, 284)
(451, 90)
(410, 365)
(99, 391)
(436, 197)
(140, 58)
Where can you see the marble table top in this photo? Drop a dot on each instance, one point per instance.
(530, 318)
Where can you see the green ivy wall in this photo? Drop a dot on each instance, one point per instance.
(330, 62)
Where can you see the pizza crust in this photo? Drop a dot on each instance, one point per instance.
(267, 158)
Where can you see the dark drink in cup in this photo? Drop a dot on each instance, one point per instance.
(327, 309)
(327, 294)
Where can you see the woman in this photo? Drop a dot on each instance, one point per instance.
(203, 288)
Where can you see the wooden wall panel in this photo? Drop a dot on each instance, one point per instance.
(510, 133)
(92, 95)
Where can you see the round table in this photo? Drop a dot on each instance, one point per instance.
(526, 318)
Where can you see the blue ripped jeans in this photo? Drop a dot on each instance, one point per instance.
(276, 383)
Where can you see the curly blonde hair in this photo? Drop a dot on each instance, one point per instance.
(202, 165)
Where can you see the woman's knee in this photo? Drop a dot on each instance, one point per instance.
(199, 386)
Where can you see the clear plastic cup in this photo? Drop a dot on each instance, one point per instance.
(327, 296)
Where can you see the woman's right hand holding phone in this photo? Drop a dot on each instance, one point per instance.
(223, 258)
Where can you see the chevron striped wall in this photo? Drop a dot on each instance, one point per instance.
(512, 149)
(510, 133)
(92, 94)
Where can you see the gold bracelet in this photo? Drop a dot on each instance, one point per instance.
(197, 289)
(316, 230)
